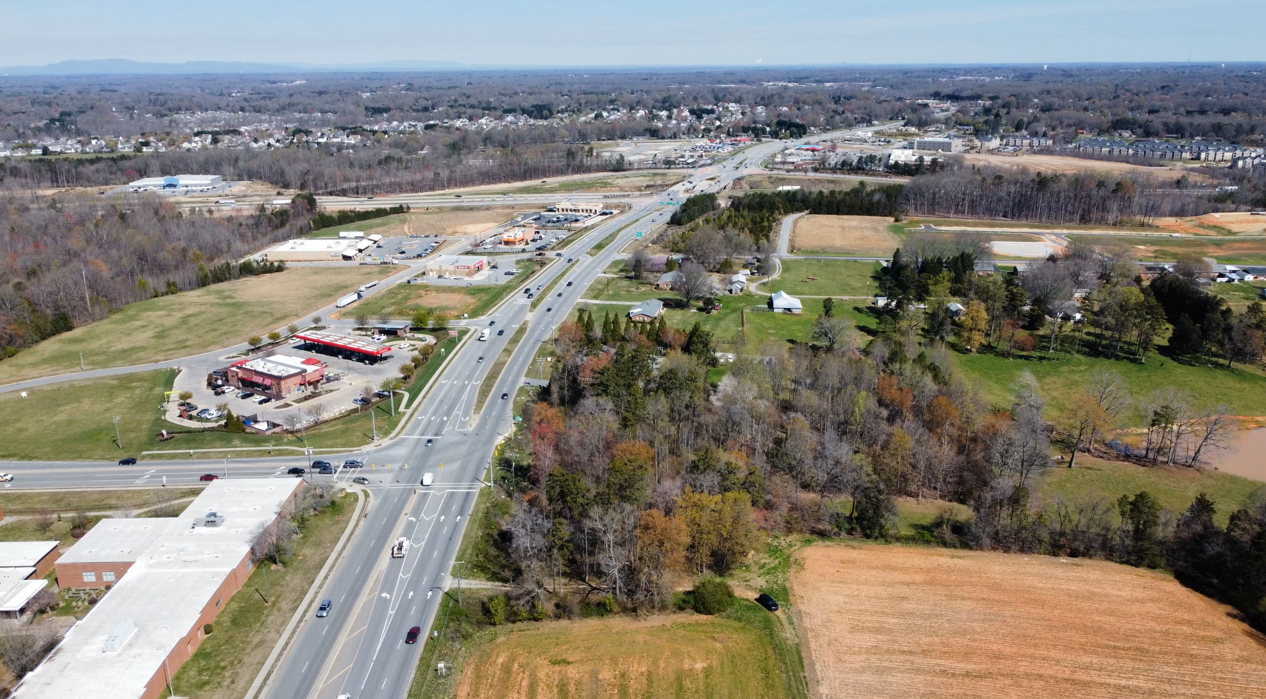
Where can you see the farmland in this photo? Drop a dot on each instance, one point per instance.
(851, 235)
(677, 656)
(190, 322)
(1226, 250)
(887, 621)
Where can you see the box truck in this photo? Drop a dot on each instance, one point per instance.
(347, 300)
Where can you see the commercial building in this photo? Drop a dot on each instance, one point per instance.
(945, 144)
(136, 638)
(107, 551)
(277, 376)
(466, 266)
(177, 183)
(518, 235)
(33, 558)
(314, 250)
(567, 207)
(357, 348)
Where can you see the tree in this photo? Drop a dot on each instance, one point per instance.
(185, 395)
(828, 307)
(830, 331)
(407, 370)
(421, 318)
(694, 282)
(712, 596)
(721, 527)
(23, 647)
(1084, 419)
(361, 318)
(973, 326)
(254, 340)
(639, 262)
(316, 320)
(274, 336)
(495, 608)
(874, 513)
(660, 552)
(1140, 522)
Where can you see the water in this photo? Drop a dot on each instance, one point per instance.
(1245, 455)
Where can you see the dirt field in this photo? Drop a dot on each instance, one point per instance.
(452, 221)
(677, 656)
(1067, 165)
(890, 621)
(857, 235)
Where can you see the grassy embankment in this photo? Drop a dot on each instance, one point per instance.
(401, 300)
(243, 634)
(367, 226)
(72, 420)
(190, 322)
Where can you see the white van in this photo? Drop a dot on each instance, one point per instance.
(483, 335)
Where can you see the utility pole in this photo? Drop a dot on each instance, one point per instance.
(118, 439)
(373, 423)
(226, 467)
(459, 583)
(81, 361)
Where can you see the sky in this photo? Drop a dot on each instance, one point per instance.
(642, 33)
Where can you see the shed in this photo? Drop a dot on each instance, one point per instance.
(782, 302)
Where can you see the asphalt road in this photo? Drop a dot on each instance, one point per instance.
(358, 649)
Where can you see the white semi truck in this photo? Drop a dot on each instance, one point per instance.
(347, 300)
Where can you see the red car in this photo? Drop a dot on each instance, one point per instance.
(208, 477)
(412, 636)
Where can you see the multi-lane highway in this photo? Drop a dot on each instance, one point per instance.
(359, 649)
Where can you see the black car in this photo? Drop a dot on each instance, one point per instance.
(128, 461)
(548, 310)
(568, 284)
(492, 323)
(501, 332)
(322, 465)
(296, 471)
(767, 602)
(505, 396)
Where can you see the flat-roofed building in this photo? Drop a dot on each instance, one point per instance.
(567, 207)
(106, 552)
(466, 266)
(35, 557)
(177, 183)
(279, 375)
(314, 250)
(153, 619)
(517, 235)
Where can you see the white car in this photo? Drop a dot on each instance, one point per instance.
(6, 477)
(428, 478)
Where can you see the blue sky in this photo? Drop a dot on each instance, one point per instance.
(647, 32)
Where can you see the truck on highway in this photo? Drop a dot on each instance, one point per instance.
(483, 335)
(367, 286)
(398, 549)
(347, 300)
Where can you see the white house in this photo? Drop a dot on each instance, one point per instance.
(782, 302)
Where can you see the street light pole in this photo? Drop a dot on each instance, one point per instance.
(226, 467)
(118, 439)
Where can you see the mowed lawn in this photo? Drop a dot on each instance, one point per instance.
(757, 324)
(663, 657)
(1174, 486)
(625, 289)
(402, 300)
(385, 226)
(190, 322)
(825, 278)
(995, 377)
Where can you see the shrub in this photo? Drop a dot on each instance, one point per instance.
(712, 596)
(495, 609)
(207, 629)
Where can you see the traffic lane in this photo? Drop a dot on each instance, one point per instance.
(88, 475)
(304, 665)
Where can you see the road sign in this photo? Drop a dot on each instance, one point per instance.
(639, 234)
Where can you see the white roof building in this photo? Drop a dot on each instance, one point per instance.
(151, 621)
(311, 250)
(24, 554)
(783, 302)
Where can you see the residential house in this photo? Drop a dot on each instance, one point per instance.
(667, 279)
(955, 308)
(782, 302)
(646, 311)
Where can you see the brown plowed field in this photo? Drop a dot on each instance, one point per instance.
(889, 621)
(857, 235)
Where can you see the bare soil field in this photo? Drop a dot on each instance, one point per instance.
(1234, 222)
(452, 221)
(1163, 248)
(858, 235)
(1063, 164)
(892, 621)
(674, 656)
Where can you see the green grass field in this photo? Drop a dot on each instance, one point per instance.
(72, 420)
(686, 656)
(17, 502)
(834, 278)
(624, 289)
(1174, 487)
(401, 300)
(1239, 294)
(190, 322)
(994, 376)
(366, 227)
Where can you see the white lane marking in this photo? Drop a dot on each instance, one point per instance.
(305, 668)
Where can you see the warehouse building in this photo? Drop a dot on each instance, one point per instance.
(107, 551)
(278, 376)
(177, 183)
(136, 638)
(464, 266)
(316, 250)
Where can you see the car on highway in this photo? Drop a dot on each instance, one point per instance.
(353, 463)
(324, 610)
(558, 254)
(560, 294)
(568, 284)
(6, 477)
(505, 396)
(428, 478)
(128, 461)
(296, 471)
(501, 332)
(412, 637)
(207, 477)
(326, 470)
(429, 442)
(767, 602)
(549, 309)
(322, 464)
(569, 259)
(481, 359)
(492, 323)
(360, 480)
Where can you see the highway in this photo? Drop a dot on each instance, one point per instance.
(359, 649)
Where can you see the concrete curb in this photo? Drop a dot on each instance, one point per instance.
(302, 611)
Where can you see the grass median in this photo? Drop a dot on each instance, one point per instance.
(243, 634)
